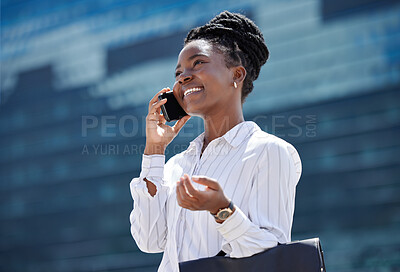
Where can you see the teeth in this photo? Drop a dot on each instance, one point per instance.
(192, 90)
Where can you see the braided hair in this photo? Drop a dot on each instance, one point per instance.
(239, 39)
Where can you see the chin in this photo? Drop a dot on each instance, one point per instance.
(193, 112)
(192, 109)
(201, 110)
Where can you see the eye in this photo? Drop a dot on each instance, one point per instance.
(177, 74)
(198, 62)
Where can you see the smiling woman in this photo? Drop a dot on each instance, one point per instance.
(201, 75)
(234, 187)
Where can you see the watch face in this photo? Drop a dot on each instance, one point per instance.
(223, 215)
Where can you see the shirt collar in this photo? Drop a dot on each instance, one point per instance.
(235, 136)
(197, 143)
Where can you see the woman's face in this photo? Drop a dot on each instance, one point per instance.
(203, 83)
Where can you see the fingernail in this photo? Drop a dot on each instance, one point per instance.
(195, 177)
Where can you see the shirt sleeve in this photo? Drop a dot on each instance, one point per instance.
(148, 217)
(271, 205)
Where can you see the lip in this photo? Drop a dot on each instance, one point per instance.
(188, 88)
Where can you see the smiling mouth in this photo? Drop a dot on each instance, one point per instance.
(192, 90)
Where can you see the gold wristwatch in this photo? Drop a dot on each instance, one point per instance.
(224, 213)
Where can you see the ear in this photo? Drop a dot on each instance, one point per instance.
(239, 74)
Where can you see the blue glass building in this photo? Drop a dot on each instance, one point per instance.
(76, 77)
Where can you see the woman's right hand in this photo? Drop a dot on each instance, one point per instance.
(158, 134)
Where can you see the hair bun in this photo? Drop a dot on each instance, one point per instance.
(239, 39)
(238, 29)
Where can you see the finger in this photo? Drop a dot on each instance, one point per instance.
(182, 192)
(155, 97)
(189, 186)
(183, 203)
(189, 202)
(179, 124)
(156, 107)
(209, 182)
(178, 195)
(156, 121)
(162, 119)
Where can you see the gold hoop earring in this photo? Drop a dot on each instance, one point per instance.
(234, 84)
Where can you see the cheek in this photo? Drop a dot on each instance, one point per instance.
(216, 78)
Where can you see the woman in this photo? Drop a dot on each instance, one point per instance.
(234, 187)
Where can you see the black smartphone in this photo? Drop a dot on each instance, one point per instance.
(171, 109)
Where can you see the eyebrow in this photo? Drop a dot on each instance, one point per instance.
(192, 57)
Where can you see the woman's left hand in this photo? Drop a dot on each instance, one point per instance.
(211, 199)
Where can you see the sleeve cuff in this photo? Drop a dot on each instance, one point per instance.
(153, 166)
(235, 226)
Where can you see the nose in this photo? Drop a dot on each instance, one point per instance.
(183, 78)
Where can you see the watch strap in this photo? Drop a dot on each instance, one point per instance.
(230, 207)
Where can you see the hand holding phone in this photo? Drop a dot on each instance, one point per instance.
(158, 134)
(171, 109)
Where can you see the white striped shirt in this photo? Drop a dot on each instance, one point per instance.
(256, 170)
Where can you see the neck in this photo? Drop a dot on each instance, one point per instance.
(217, 126)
